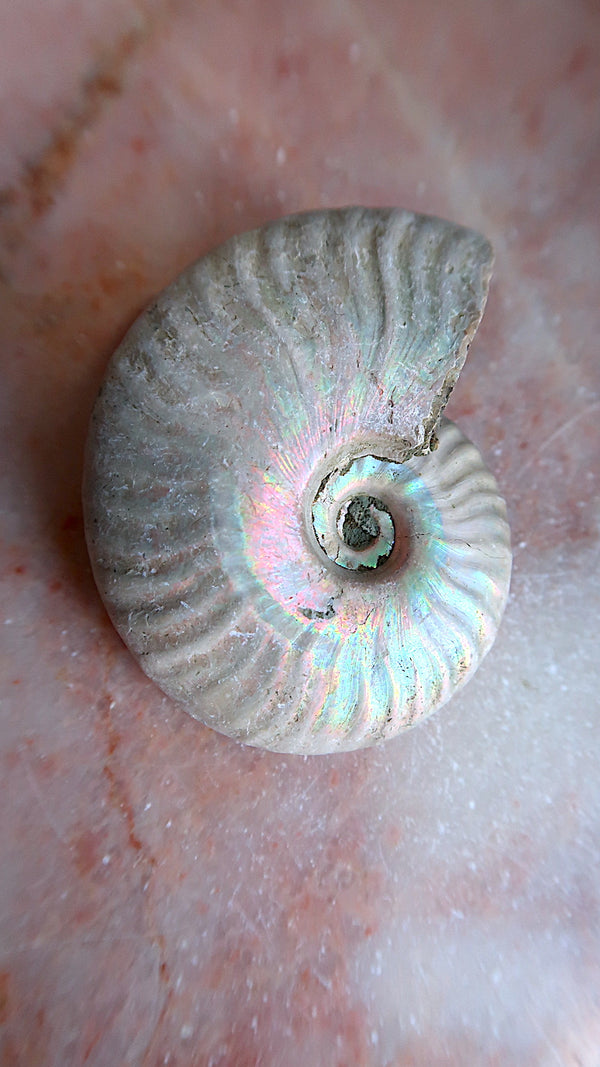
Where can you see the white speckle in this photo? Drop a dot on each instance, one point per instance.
(374, 1037)
(254, 1023)
(106, 859)
(472, 805)
(148, 806)
(377, 968)
(168, 824)
(280, 156)
(186, 1031)
(8, 622)
(354, 52)
(497, 977)
(522, 544)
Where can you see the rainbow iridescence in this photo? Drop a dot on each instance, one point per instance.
(268, 526)
(366, 655)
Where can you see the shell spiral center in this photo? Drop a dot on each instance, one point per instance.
(354, 525)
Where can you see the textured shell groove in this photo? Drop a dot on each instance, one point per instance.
(273, 530)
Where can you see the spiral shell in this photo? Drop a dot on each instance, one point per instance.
(285, 534)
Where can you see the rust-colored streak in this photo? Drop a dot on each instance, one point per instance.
(4, 997)
(43, 177)
(87, 850)
(118, 797)
(118, 791)
(92, 1044)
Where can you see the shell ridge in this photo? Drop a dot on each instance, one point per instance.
(404, 624)
(341, 676)
(146, 591)
(207, 608)
(458, 618)
(200, 671)
(393, 258)
(251, 266)
(317, 296)
(380, 700)
(428, 296)
(203, 637)
(365, 288)
(241, 687)
(285, 696)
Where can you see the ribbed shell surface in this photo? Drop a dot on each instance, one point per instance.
(317, 351)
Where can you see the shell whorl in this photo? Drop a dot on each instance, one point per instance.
(268, 526)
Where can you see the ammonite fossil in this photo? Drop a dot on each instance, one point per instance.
(287, 535)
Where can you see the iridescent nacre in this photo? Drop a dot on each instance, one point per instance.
(286, 535)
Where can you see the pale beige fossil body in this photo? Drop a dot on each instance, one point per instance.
(293, 373)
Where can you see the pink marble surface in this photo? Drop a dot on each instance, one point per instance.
(166, 896)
